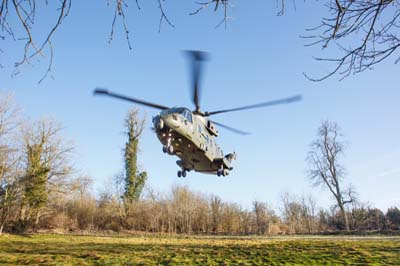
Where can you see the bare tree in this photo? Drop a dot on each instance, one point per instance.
(106, 216)
(81, 206)
(82, 185)
(308, 213)
(230, 218)
(325, 166)
(9, 184)
(9, 159)
(215, 213)
(292, 213)
(261, 214)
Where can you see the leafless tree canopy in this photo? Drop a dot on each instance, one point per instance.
(55, 152)
(18, 17)
(326, 169)
(122, 5)
(324, 156)
(366, 32)
(21, 14)
(9, 159)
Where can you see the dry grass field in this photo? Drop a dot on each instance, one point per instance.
(188, 250)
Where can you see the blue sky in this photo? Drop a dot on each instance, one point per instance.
(259, 56)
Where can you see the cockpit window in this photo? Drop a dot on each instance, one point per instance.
(186, 114)
(189, 116)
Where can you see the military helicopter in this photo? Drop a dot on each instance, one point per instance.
(190, 135)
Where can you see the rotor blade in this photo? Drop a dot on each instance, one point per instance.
(101, 91)
(264, 104)
(196, 58)
(237, 131)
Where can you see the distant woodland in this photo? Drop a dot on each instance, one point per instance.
(40, 190)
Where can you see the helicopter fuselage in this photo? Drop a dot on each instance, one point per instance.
(191, 137)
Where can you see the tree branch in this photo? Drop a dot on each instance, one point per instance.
(358, 19)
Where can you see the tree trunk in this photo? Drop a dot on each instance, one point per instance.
(2, 227)
(37, 220)
(344, 214)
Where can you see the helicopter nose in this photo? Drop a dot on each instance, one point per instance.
(158, 122)
(171, 120)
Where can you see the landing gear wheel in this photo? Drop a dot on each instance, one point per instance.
(164, 149)
(184, 173)
(180, 173)
(219, 172)
(170, 149)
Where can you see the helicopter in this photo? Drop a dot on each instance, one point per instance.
(190, 135)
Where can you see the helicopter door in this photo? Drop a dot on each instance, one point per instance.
(188, 121)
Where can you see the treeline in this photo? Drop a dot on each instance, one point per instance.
(186, 211)
(40, 190)
(181, 210)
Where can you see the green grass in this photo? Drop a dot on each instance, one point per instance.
(153, 250)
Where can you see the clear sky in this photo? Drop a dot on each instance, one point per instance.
(258, 57)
